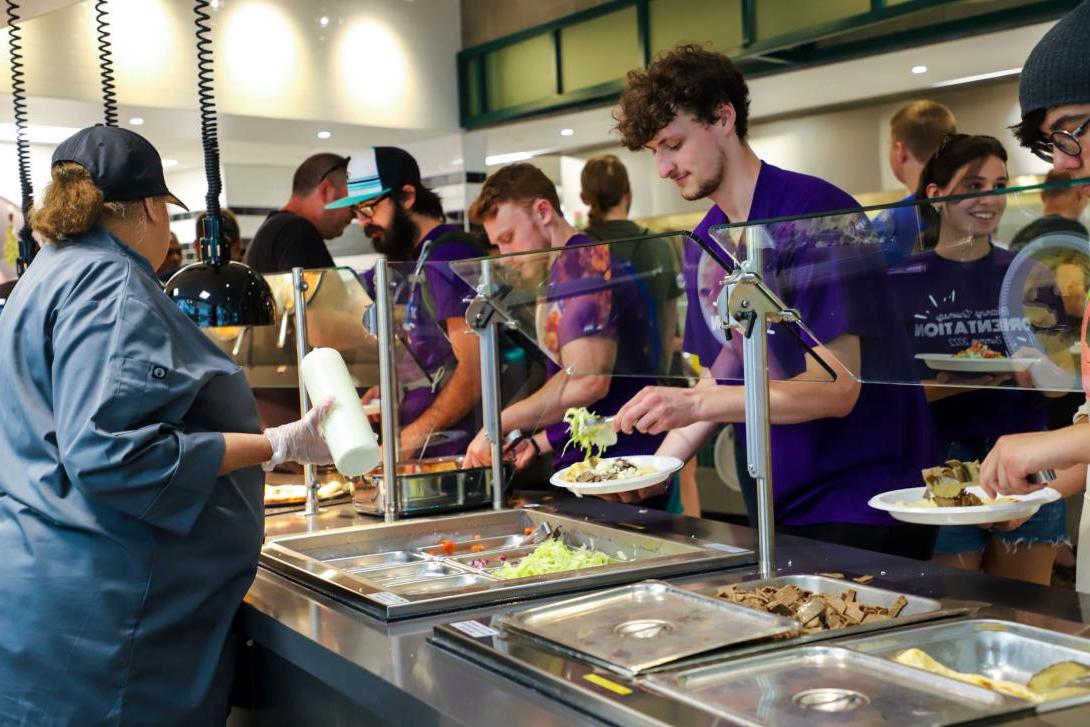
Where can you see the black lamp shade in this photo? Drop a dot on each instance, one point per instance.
(231, 294)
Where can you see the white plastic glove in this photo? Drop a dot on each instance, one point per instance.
(300, 441)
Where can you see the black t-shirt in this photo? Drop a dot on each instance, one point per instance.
(284, 241)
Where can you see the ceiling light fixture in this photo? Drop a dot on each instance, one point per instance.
(136, 121)
(917, 70)
(978, 77)
(515, 156)
(567, 132)
(38, 134)
(324, 134)
(323, 21)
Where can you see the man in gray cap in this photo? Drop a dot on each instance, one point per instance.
(1054, 93)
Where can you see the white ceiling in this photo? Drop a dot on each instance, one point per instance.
(254, 140)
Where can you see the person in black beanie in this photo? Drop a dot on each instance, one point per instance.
(1054, 93)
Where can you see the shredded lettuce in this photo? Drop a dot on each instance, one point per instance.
(552, 556)
(587, 433)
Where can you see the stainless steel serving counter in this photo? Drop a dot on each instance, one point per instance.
(306, 659)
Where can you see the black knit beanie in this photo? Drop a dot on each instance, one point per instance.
(1056, 71)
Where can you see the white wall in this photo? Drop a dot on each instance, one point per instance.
(382, 63)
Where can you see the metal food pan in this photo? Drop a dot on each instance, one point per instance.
(827, 685)
(867, 595)
(633, 628)
(441, 586)
(476, 546)
(359, 563)
(997, 649)
(491, 561)
(429, 569)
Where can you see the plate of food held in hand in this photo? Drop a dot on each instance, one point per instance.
(597, 475)
(276, 495)
(952, 496)
(978, 358)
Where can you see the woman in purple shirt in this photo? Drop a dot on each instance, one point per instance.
(949, 295)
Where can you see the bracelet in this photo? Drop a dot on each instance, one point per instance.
(534, 444)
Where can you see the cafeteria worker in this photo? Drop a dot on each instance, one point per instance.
(130, 492)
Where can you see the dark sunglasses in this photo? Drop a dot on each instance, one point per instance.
(343, 163)
(1065, 141)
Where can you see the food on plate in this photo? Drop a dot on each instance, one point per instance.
(978, 350)
(289, 494)
(552, 556)
(945, 486)
(604, 470)
(816, 612)
(589, 432)
(1052, 682)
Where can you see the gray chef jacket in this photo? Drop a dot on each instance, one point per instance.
(123, 557)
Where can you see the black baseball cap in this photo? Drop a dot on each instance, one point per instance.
(123, 164)
(375, 172)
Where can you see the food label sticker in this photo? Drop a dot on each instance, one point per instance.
(476, 629)
(724, 547)
(386, 598)
(609, 684)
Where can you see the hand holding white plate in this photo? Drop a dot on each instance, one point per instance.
(901, 505)
(663, 467)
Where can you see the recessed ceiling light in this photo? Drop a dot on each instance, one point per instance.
(324, 134)
(323, 21)
(136, 121)
(215, 4)
(567, 132)
(919, 69)
(170, 162)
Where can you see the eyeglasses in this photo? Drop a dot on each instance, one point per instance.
(367, 209)
(343, 163)
(1065, 141)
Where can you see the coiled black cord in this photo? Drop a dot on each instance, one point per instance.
(106, 64)
(211, 239)
(27, 246)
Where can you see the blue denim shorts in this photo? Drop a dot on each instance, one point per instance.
(1048, 525)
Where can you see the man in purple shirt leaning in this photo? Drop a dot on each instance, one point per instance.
(834, 444)
(589, 313)
(441, 369)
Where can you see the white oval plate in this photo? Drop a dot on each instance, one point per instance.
(664, 467)
(1025, 506)
(949, 362)
(372, 408)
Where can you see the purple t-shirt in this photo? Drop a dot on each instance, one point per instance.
(946, 305)
(591, 294)
(437, 295)
(825, 470)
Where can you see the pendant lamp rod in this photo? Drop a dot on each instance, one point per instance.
(27, 246)
(106, 64)
(213, 249)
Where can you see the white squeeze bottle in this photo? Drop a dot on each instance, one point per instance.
(345, 429)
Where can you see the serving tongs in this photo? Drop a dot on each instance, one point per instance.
(544, 531)
(594, 426)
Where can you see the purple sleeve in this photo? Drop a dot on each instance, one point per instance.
(581, 292)
(450, 294)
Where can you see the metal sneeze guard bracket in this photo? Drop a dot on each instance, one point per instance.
(747, 305)
(484, 318)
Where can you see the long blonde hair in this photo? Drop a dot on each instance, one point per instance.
(72, 204)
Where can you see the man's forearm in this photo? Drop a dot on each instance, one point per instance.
(547, 405)
(453, 402)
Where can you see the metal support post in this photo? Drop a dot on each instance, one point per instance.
(299, 289)
(490, 391)
(391, 495)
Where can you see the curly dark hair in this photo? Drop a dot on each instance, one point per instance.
(1028, 130)
(688, 79)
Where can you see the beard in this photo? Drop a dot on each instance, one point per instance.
(396, 242)
(706, 186)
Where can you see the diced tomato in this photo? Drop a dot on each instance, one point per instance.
(447, 546)
(527, 531)
(476, 548)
